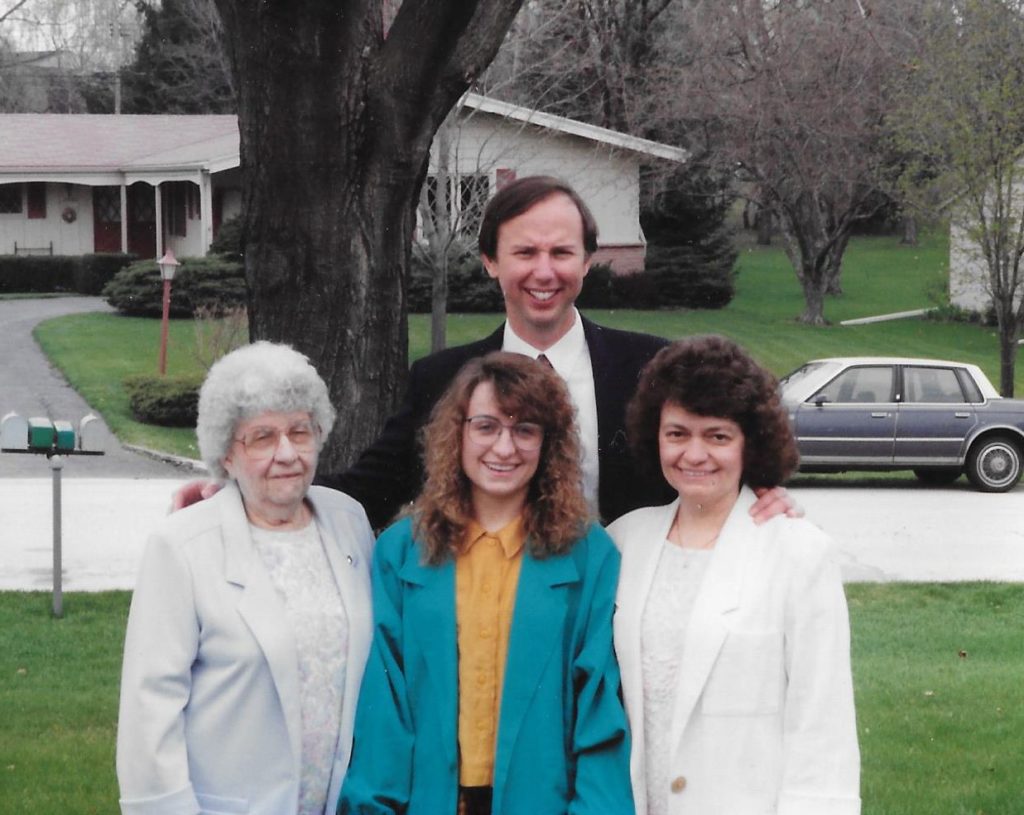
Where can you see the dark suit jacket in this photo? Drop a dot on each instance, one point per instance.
(389, 473)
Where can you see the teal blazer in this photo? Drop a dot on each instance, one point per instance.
(562, 744)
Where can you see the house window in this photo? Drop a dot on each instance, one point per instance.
(473, 193)
(10, 199)
(466, 207)
(106, 205)
(36, 199)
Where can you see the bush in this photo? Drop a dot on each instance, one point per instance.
(37, 273)
(164, 401)
(470, 289)
(229, 239)
(93, 272)
(85, 274)
(213, 283)
(677, 277)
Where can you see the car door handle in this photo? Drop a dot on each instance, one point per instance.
(879, 415)
(962, 415)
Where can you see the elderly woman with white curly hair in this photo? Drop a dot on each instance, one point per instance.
(251, 617)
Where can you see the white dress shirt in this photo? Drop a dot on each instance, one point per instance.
(570, 358)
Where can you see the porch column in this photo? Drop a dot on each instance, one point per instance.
(205, 212)
(124, 219)
(158, 216)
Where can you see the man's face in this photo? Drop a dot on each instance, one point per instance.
(540, 266)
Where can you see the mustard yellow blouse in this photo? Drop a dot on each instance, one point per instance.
(486, 576)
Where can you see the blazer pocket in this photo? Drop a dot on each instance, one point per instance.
(747, 677)
(219, 805)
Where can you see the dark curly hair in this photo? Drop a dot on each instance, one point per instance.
(713, 376)
(556, 512)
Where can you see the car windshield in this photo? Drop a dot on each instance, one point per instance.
(804, 371)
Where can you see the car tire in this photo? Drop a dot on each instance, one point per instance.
(938, 476)
(994, 464)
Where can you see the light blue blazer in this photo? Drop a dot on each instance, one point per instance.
(562, 743)
(210, 719)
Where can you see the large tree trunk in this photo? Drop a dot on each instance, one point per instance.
(336, 122)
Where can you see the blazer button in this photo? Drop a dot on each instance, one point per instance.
(678, 784)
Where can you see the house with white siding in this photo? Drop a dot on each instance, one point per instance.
(82, 183)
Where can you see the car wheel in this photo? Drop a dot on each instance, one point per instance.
(938, 476)
(994, 464)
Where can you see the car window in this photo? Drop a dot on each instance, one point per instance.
(931, 385)
(865, 384)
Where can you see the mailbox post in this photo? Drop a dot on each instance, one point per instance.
(55, 440)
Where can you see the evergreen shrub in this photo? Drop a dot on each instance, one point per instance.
(164, 400)
(213, 283)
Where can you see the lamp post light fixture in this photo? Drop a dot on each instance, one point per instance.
(168, 266)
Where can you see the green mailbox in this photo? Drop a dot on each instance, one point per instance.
(41, 433)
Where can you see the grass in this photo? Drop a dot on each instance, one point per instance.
(939, 732)
(96, 351)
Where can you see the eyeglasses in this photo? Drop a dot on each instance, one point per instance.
(262, 442)
(486, 430)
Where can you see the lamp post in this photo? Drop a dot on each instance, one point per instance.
(168, 266)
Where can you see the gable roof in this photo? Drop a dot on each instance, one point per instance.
(105, 148)
(89, 143)
(573, 127)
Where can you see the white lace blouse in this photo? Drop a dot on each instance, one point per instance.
(300, 572)
(665, 617)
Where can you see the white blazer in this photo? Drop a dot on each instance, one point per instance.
(209, 719)
(764, 718)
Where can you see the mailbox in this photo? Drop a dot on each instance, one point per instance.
(41, 433)
(14, 432)
(65, 436)
(91, 434)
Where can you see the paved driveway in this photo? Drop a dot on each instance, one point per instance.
(30, 386)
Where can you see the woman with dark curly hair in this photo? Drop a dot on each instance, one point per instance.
(733, 638)
(491, 684)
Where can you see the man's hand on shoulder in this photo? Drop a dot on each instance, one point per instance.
(193, 492)
(772, 501)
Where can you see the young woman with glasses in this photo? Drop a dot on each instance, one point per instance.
(491, 684)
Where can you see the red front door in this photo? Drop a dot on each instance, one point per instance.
(106, 208)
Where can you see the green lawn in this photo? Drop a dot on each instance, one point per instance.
(939, 732)
(97, 351)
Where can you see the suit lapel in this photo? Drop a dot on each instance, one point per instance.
(719, 594)
(261, 609)
(430, 610)
(609, 391)
(537, 631)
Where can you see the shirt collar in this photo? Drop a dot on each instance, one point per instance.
(562, 355)
(509, 536)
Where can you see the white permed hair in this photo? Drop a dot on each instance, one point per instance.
(259, 378)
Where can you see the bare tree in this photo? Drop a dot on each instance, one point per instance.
(336, 115)
(793, 96)
(961, 117)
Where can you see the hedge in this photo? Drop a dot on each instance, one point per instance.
(670, 281)
(84, 274)
(214, 284)
(164, 400)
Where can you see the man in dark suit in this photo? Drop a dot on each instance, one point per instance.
(537, 240)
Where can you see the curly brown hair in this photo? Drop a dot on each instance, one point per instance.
(713, 376)
(556, 513)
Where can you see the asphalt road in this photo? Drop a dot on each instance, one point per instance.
(899, 533)
(31, 387)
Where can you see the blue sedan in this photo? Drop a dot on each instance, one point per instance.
(935, 417)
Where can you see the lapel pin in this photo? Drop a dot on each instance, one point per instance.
(351, 560)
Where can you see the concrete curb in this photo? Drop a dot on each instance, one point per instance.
(178, 461)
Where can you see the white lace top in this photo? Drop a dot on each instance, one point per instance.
(300, 572)
(665, 617)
